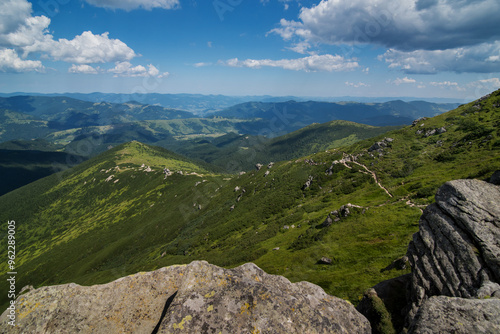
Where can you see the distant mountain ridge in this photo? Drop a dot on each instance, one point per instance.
(65, 112)
(295, 115)
(201, 104)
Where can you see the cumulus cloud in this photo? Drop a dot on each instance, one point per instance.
(202, 64)
(483, 58)
(405, 80)
(23, 35)
(135, 4)
(86, 48)
(444, 84)
(314, 63)
(356, 85)
(486, 84)
(13, 13)
(125, 69)
(423, 36)
(30, 34)
(403, 25)
(10, 62)
(85, 69)
(301, 47)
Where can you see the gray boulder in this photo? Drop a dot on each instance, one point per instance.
(456, 252)
(193, 298)
(442, 314)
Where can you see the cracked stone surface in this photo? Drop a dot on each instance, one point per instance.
(442, 314)
(209, 299)
(456, 252)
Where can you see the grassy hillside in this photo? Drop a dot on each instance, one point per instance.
(109, 217)
(237, 153)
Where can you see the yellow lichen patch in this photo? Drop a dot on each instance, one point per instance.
(265, 296)
(26, 309)
(255, 331)
(181, 324)
(210, 308)
(257, 278)
(210, 295)
(246, 308)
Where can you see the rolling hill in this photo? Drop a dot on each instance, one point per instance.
(36, 116)
(235, 153)
(358, 206)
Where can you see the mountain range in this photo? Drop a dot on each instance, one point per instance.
(336, 217)
(203, 104)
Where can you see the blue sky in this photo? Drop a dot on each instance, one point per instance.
(419, 48)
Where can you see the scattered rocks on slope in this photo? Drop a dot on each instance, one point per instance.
(196, 298)
(415, 122)
(325, 260)
(308, 183)
(381, 145)
(456, 251)
(258, 166)
(328, 222)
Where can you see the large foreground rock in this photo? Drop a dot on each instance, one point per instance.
(195, 298)
(456, 252)
(457, 315)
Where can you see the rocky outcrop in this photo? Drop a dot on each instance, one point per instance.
(442, 314)
(456, 252)
(194, 298)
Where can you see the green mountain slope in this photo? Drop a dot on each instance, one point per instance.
(237, 153)
(109, 217)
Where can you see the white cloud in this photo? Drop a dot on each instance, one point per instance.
(405, 80)
(483, 58)
(86, 48)
(356, 85)
(32, 30)
(403, 25)
(301, 47)
(486, 84)
(125, 69)
(13, 14)
(10, 62)
(314, 63)
(85, 69)
(135, 4)
(447, 84)
(29, 34)
(444, 84)
(423, 36)
(202, 64)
